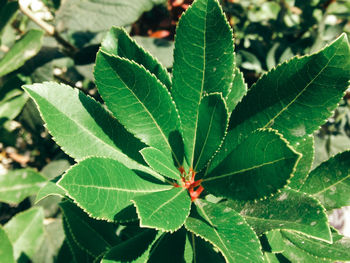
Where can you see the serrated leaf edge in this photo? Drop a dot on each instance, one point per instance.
(159, 228)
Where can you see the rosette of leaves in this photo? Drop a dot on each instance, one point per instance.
(204, 167)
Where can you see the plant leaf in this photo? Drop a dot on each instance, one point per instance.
(132, 249)
(117, 42)
(203, 251)
(52, 241)
(79, 254)
(295, 98)
(301, 213)
(50, 188)
(95, 131)
(26, 232)
(270, 257)
(339, 250)
(274, 238)
(93, 236)
(237, 92)
(166, 211)
(16, 185)
(24, 49)
(169, 247)
(226, 230)
(299, 95)
(6, 249)
(160, 162)
(103, 187)
(203, 63)
(95, 16)
(138, 100)
(330, 181)
(307, 149)
(7, 10)
(211, 129)
(258, 167)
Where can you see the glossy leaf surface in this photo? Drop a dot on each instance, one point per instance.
(26, 231)
(330, 181)
(166, 210)
(117, 42)
(104, 187)
(203, 63)
(92, 235)
(211, 129)
(6, 250)
(301, 213)
(258, 167)
(160, 162)
(24, 49)
(138, 100)
(238, 90)
(226, 230)
(95, 131)
(131, 249)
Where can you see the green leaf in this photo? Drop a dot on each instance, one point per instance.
(79, 254)
(91, 235)
(203, 63)
(95, 16)
(330, 182)
(95, 131)
(211, 129)
(26, 231)
(226, 230)
(161, 163)
(24, 49)
(103, 187)
(51, 243)
(55, 168)
(16, 185)
(169, 247)
(237, 92)
(166, 211)
(117, 42)
(50, 188)
(138, 100)
(203, 251)
(306, 148)
(296, 97)
(6, 249)
(257, 168)
(301, 213)
(270, 257)
(132, 249)
(274, 238)
(339, 250)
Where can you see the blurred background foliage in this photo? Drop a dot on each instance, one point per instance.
(58, 39)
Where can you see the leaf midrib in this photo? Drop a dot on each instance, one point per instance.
(206, 137)
(300, 93)
(20, 187)
(244, 170)
(167, 202)
(202, 86)
(330, 186)
(120, 189)
(217, 234)
(146, 110)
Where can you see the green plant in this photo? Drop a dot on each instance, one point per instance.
(193, 167)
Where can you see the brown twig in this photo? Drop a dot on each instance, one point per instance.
(49, 29)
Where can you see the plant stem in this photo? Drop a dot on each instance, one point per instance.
(49, 29)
